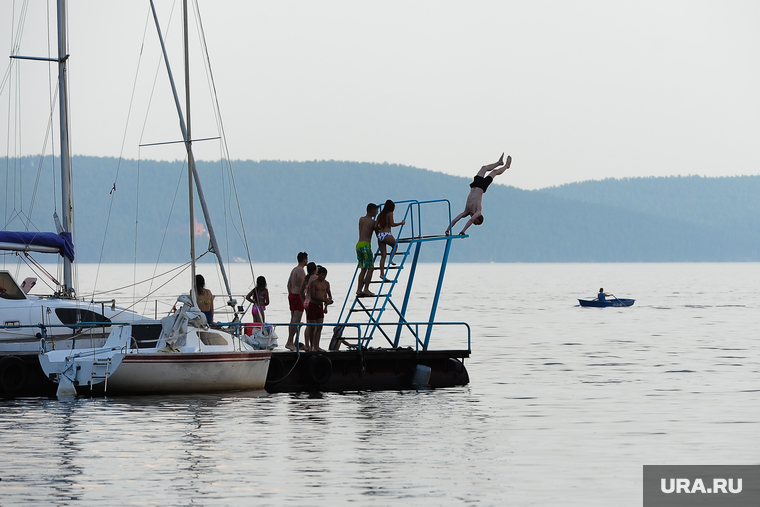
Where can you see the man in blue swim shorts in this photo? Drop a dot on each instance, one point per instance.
(364, 254)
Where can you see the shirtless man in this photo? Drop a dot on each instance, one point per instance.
(319, 297)
(364, 254)
(295, 299)
(474, 205)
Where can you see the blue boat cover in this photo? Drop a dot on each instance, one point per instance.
(61, 241)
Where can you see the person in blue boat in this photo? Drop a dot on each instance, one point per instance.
(474, 206)
(602, 296)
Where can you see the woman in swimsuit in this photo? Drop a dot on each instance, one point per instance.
(385, 238)
(205, 299)
(259, 296)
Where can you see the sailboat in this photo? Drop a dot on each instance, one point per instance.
(182, 353)
(57, 319)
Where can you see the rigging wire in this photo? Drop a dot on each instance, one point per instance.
(220, 126)
(168, 221)
(184, 267)
(124, 137)
(149, 279)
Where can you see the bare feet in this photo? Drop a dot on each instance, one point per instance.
(291, 347)
(501, 160)
(509, 161)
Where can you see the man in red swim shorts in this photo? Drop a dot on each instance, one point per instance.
(295, 298)
(319, 298)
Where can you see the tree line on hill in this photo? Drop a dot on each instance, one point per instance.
(127, 211)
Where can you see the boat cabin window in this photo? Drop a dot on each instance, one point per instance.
(73, 315)
(8, 287)
(212, 338)
(146, 335)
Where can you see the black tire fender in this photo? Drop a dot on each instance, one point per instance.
(276, 369)
(320, 369)
(12, 374)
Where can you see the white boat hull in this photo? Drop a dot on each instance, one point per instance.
(188, 372)
(186, 359)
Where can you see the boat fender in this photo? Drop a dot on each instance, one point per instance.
(320, 369)
(12, 374)
(276, 370)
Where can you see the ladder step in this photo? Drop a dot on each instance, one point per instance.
(418, 238)
(389, 254)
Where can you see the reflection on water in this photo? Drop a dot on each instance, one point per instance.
(564, 407)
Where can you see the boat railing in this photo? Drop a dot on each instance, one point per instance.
(43, 334)
(389, 330)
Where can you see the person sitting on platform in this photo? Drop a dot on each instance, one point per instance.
(474, 205)
(205, 299)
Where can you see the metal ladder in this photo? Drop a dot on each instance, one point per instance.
(366, 312)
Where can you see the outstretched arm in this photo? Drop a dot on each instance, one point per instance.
(470, 222)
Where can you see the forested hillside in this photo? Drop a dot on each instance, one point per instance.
(314, 206)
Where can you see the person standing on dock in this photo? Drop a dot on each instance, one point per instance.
(364, 255)
(295, 298)
(319, 298)
(311, 274)
(474, 205)
(259, 298)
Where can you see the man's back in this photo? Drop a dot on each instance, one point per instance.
(295, 281)
(366, 228)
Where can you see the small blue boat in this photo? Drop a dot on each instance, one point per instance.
(595, 303)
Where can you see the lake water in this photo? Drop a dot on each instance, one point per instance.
(564, 405)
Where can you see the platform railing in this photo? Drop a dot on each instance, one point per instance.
(411, 236)
(387, 329)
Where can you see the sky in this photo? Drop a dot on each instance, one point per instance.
(573, 90)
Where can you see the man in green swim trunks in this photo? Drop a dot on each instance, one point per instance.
(364, 254)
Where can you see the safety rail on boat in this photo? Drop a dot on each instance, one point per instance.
(412, 326)
(78, 325)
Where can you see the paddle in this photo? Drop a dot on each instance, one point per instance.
(621, 303)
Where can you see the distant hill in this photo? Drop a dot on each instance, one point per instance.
(288, 207)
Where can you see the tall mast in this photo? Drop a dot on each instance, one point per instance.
(191, 163)
(189, 146)
(63, 101)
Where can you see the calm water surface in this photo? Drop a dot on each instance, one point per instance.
(564, 407)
